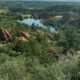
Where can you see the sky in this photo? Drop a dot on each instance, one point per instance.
(56, 0)
(44, 0)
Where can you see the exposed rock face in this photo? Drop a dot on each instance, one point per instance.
(24, 36)
(4, 35)
(54, 52)
(70, 15)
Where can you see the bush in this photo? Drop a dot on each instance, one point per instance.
(67, 39)
(20, 46)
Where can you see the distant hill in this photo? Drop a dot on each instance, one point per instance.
(34, 4)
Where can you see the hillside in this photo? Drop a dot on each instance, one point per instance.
(32, 52)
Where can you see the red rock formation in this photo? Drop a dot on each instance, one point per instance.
(54, 52)
(4, 35)
(22, 39)
(24, 36)
(70, 15)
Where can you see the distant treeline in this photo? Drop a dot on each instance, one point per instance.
(22, 5)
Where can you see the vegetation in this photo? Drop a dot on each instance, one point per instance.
(42, 55)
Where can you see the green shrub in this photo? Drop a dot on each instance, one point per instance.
(20, 46)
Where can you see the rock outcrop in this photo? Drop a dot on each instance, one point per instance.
(24, 36)
(53, 52)
(4, 35)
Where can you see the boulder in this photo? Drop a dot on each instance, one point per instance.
(24, 36)
(54, 52)
(22, 39)
(4, 35)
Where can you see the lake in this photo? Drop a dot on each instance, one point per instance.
(36, 22)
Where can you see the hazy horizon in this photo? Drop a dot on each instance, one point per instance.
(46, 0)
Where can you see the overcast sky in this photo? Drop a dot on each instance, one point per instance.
(53, 0)
(44, 0)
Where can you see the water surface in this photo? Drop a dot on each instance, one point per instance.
(36, 22)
